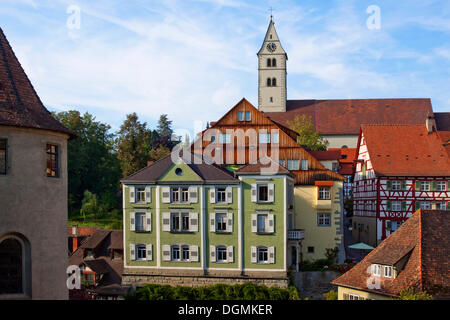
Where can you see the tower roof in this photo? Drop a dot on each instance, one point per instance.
(20, 106)
(271, 36)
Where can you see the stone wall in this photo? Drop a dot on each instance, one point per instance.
(138, 280)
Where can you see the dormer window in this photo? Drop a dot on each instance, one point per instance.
(376, 270)
(388, 272)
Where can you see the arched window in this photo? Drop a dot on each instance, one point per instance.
(14, 266)
(269, 62)
(269, 83)
(274, 62)
(274, 82)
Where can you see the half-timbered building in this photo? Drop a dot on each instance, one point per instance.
(399, 169)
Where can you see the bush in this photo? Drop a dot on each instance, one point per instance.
(246, 291)
(331, 295)
(411, 294)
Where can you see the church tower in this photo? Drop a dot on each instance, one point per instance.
(272, 73)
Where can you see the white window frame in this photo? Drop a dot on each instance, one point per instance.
(224, 138)
(441, 186)
(388, 271)
(223, 193)
(396, 185)
(396, 206)
(221, 218)
(264, 137)
(221, 249)
(293, 164)
(258, 193)
(139, 194)
(180, 216)
(258, 250)
(261, 222)
(376, 270)
(139, 226)
(304, 165)
(352, 296)
(322, 218)
(425, 205)
(425, 186)
(324, 193)
(139, 249)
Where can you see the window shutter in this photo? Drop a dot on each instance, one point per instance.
(403, 185)
(253, 254)
(271, 223)
(254, 223)
(433, 185)
(212, 195)
(271, 192)
(230, 254)
(345, 296)
(165, 194)
(417, 185)
(148, 221)
(132, 195)
(448, 205)
(166, 221)
(149, 255)
(193, 221)
(448, 185)
(388, 185)
(148, 194)
(193, 195)
(193, 253)
(212, 222)
(271, 254)
(229, 222)
(388, 205)
(403, 205)
(166, 252)
(132, 221)
(254, 193)
(229, 195)
(132, 252)
(212, 253)
(417, 205)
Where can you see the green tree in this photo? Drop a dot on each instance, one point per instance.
(92, 161)
(331, 295)
(308, 137)
(409, 293)
(158, 153)
(164, 127)
(133, 144)
(89, 206)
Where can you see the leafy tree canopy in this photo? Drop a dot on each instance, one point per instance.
(308, 137)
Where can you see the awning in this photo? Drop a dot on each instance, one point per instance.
(361, 246)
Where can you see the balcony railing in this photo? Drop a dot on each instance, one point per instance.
(296, 234)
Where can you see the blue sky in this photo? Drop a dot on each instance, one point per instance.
(194, 60)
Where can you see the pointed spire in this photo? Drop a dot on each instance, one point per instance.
(20, 106)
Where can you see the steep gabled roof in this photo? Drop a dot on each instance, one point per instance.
(423, 241)
(347, 116)
(20, 106)
(406, 150)
(326, 155)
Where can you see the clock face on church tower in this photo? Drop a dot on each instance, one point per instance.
(271, 47)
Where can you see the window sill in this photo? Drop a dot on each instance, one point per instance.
(181, 232)
(264, 232)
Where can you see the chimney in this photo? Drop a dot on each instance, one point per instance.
(429, 123)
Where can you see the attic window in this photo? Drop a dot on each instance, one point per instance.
(178, 171)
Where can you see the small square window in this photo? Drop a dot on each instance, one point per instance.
(221, 253)
(424, 186)
(141, 252)
(324, 193)
(262, 255)
(396, 185)
(248, 116)
(440, 185)
(240, 116)
(264, 137)
(324, 219)
(310, 249)
(293, 164)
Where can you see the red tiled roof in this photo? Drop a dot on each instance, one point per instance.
(326, 155)
(82, 231)
(347, 116)
(423, 241)
(346, 160)
(20, 106)
(406, 150)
